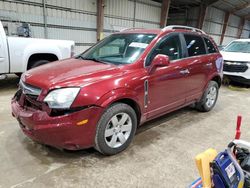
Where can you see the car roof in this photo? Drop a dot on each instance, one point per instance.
(243, 40)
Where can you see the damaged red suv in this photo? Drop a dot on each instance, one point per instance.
(100, 97)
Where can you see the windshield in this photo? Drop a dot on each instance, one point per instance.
(119, 48)
(238, 46)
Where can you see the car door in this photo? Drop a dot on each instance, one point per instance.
(197, 63)
(214, 58)
(4, 61)
(165, 86)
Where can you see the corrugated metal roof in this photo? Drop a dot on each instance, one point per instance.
(237, 7)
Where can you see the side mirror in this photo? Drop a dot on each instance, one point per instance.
(160, 60)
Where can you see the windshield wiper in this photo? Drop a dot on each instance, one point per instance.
(92, 59)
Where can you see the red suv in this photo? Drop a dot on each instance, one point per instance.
(100, 97)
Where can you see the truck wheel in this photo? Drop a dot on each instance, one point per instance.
(209, 97)
(116, 129)
(38, 63)
(18, 74)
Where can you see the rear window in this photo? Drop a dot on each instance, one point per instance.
(210, 46)
(195, 45)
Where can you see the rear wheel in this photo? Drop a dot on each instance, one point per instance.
(115, 129)
(209, 97)
(38, 63)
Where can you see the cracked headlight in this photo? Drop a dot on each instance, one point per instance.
(61, 98)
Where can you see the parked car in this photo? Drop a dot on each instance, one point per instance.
(237, 61)
(18, 54)
(101, 96)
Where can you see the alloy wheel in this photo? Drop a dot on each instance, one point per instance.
(211, 97)
(118, 130)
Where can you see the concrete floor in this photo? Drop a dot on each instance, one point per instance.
(161, 155)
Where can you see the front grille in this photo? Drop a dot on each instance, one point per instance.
(29, 89)
(27, 96)
(32, 103)
(235, 67)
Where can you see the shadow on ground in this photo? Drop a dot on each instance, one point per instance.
(9, 83)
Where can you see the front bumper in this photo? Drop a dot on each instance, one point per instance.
(60, 131)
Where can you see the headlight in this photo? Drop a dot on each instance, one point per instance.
(61, 98)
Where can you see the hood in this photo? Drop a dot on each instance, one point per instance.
(69, 73)
(235, 56)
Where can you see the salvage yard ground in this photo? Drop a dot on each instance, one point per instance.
(161, 155)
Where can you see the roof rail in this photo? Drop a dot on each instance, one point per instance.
(183, 27)
(132, 28)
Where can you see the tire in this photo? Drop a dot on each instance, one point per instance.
(112, 137)
(209, 97)
(38, 63)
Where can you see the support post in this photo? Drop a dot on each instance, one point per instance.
(134, 13)
(45, 19)
(241, 26)
(164, 12)
(99, 19)
(225, 23)
(202, 15)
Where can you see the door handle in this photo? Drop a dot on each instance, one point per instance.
(209, 64)
(185, 71)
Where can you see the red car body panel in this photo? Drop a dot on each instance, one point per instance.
(61, 131)
(103, 84)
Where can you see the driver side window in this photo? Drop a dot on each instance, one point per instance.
(170, 46)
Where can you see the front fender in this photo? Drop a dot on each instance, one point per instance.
(118, 94)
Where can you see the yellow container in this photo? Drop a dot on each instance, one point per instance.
(202, 162)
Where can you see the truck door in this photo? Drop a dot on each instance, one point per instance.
(4, 58)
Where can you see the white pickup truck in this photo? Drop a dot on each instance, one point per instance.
(18, 54)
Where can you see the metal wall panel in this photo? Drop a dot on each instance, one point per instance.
(234, 21)
(246, 30)
(148, 13)
(117, 24)
(216, 38)
(227, 40)
(146, 25)
(69, 20)
(119, 8)
(215, 15)
(85, 5)
(213, 23)
(76, 19)
(177, 19)
(129, 13)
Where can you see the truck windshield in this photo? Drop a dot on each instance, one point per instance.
(119, 48)
(238, 46)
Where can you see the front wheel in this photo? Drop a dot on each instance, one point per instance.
(115, 129)
(209, 97)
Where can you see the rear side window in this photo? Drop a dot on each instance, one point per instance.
(210, 46)
(195, 45)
